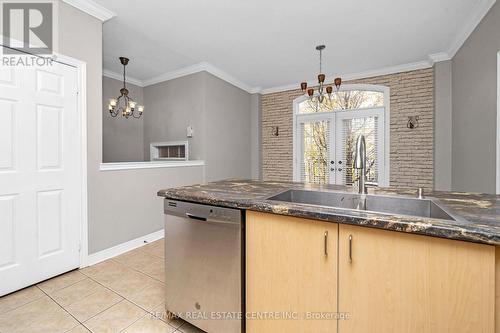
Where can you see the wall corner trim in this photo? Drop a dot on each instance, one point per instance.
(116, 250)
(438, 57)
(92, 8)
(482, 8)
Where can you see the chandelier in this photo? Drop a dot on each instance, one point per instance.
(124, 104)
(319, 97)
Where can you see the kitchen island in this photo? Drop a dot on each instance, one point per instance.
(331, 269)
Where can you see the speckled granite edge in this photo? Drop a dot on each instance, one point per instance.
(478, 215)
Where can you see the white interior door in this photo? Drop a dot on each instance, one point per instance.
(40, 174)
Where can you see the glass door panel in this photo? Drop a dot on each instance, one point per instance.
(350, 125)
(315, 151)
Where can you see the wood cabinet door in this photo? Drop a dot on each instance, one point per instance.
(497, 287)
(398, 282)
(291, 271)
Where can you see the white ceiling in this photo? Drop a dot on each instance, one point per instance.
(264, 43)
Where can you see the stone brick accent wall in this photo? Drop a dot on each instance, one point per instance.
(411, 151)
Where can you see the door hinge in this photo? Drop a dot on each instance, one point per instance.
(79, 247)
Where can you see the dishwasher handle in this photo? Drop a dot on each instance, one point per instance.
(208, 220)
(194, 217)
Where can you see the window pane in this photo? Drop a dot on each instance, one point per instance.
(352, 129)
(344, 100)
(315, 152)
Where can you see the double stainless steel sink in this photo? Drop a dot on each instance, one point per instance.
(374, 203)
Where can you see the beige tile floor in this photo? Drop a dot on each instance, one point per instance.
(122, 294)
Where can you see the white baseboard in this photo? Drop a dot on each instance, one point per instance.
(116, 250)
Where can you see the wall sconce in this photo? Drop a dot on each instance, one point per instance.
(412, 122)
(275, 131)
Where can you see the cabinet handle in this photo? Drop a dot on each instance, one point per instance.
(326, 243)
(350, 248)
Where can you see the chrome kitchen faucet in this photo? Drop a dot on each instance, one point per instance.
(360, 163)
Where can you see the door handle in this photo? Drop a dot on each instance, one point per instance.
(326, 244)
(350, 248)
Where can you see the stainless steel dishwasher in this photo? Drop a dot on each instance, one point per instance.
(203, 265)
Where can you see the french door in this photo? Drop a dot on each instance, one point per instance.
(40, 174)
(324, 146)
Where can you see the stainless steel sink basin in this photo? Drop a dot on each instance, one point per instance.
(374, 203)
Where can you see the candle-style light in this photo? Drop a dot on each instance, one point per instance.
(124, 104)
(320, 96)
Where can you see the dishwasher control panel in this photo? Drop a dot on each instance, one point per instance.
(202, 212)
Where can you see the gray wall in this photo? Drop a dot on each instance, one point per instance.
(122, 139)
(474, 78)
(122, 205)
(443, 125)
(227, 130)
(219, 113)
(125, 205)
(170, 107)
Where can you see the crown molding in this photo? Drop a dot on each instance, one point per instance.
(412, 66)
(482, 8)
(92, 8)
(256, 90)
(209, 68)
(437, 57)
(175, 74)
(201, 67)
(360, 75)
(215, 71)
(119, 77)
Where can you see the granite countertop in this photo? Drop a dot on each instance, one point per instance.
(477, 215)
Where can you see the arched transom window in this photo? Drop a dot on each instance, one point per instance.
(325, 136)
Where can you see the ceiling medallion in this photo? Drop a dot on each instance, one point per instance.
(317, 98)
(124, 104)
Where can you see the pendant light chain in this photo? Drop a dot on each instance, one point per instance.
(124, 81)
(320, 61)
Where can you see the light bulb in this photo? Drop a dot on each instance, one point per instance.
(132, 104)
(112, 102)
(140, 108)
